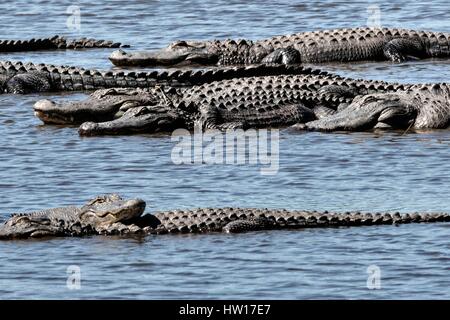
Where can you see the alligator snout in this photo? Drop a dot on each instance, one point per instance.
(88, 129)
(122, 58)
(43, 109)
(118, 54)
(163, 57)
(44, 105)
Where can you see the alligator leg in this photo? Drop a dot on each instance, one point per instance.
(118, 228)
(287, 55)
(331, 91)
(250, 224)
(269, 114)
(235, 125)
(210, 118)
(321, 111)
(333, 97)
(399, 50)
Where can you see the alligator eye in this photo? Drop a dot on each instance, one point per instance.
(96, 201)
(20, 219)
(87, 211)
(179, 44)
(142, 111)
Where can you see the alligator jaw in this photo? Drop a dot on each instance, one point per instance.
(142, 58)
(77, 112)
(122, 211)
(144, 119)
(176, 54)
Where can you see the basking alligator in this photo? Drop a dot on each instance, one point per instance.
(260, 99)
(339, 45)
(316, 99)
(54, 43)
(111, 214)
(18, 77)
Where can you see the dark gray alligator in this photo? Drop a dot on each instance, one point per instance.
(111, 214)
(101, 214)
(18, 77)
(54, 43)
(337, 45)
(252, 102)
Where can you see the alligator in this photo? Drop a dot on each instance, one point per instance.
(54, 43)
(420, 107)
(98, 215)
(252, 102)
(338, 45)
(20, 78)
(112, 215)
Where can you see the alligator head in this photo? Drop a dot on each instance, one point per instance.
(102, 105)
(177, 53)
(144, 119)
(29, 226)
(98, 214)
(383, 110)
(109, 209)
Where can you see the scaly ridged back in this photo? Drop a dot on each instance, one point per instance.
(214, 219)
(354, 44)
(67, 78)
(53, 43)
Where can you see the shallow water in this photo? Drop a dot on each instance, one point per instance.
(45, 166)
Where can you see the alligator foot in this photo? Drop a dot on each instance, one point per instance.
(251, 224)
(287, 55)
(400, 50)
(249, 115)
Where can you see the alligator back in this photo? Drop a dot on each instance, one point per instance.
(53, 43)
(216, 219)
(355, 44)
